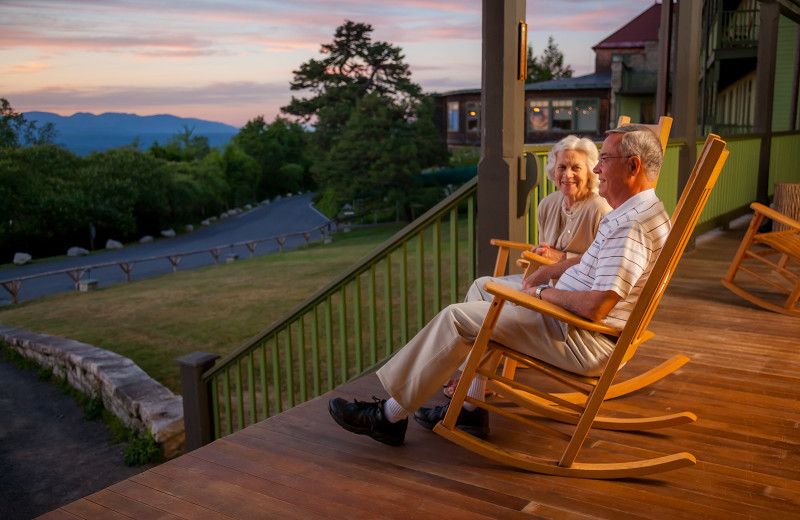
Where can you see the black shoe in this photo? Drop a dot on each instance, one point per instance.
(366, 418)
(474, 423)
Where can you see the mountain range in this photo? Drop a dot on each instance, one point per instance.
(83, 133)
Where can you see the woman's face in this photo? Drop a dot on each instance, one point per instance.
(572, 175)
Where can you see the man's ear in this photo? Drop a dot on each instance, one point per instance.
(635, 164)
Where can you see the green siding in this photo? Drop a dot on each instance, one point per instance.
(736, 187)
(631, 106)
(667, 187)
(784, 69)
(783, 165)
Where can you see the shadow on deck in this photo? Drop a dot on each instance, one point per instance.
(743, 382)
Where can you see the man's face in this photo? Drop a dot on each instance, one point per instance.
(613, 171)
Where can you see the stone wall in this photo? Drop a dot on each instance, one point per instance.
(127, 391)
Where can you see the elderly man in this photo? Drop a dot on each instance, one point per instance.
(603, 284)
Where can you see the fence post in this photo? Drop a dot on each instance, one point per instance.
(197, 420)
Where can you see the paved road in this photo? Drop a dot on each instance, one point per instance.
(287, 215)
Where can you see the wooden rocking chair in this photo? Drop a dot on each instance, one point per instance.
(760, 246)
(485, 355)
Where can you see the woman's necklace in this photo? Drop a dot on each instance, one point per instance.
(568, 213)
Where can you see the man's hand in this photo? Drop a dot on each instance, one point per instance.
(546, 273)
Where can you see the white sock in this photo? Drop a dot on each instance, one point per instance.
(394, 411)
(477, 391)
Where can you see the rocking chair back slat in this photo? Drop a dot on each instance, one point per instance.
(691, 205)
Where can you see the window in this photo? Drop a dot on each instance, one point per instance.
(452, 116)
(562, 114)
(586, 115)
(538, 115)
(473, 116)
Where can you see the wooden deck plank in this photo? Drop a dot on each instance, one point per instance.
(743, 382)
(90, 511)
(58, 514)
(215, 494)
(164, 501)
(129, 507)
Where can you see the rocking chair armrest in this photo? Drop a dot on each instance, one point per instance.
(548, 309)
(537, 259)
(510, 244)
(774, 215)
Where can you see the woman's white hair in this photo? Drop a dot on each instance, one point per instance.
(581, 144)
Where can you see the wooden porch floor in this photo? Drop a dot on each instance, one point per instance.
(743, 383)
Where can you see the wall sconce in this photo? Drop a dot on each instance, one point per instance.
(522, 74)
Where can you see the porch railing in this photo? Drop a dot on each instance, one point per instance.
(352, 323)
(739, 28)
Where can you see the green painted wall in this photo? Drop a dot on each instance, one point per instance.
(784, 68)
(632, 106)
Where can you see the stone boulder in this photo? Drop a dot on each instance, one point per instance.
(146, 239)
(113, 244)
(206, 222)
(189, 228)
(22, 258)
(77, 251)
(169, 233)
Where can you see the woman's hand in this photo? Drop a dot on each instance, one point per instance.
(546, 250)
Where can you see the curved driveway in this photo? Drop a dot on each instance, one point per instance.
(284, 216)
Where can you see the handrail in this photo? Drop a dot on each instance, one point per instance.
(458, 196)
(380, 302)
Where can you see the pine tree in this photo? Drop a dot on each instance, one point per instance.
(550, 65)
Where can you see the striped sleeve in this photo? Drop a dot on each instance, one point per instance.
(622, 255)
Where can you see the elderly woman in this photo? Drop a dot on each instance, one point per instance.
(568, 218)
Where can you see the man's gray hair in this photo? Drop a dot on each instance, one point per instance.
(642, 142)
(580, 144)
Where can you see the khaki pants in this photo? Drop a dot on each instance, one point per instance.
(420, 368)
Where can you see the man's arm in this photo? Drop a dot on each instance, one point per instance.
(592, 305)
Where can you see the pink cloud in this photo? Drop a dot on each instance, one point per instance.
(31, 66)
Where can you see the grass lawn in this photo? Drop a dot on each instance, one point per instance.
(211, 309)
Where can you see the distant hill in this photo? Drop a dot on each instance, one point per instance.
(83, 133)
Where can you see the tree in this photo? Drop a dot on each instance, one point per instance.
(182, 146)
(550, 65)
(369, 118)
(281, 150)
(353, 67)
(380, 154)
(16, 131)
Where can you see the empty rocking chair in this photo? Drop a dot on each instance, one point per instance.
(759, 250)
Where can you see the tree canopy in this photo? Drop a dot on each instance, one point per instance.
(373, 127)
(550, 65)
(16, 131)
(281, 150)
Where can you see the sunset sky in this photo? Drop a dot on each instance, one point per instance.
(232, 61)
